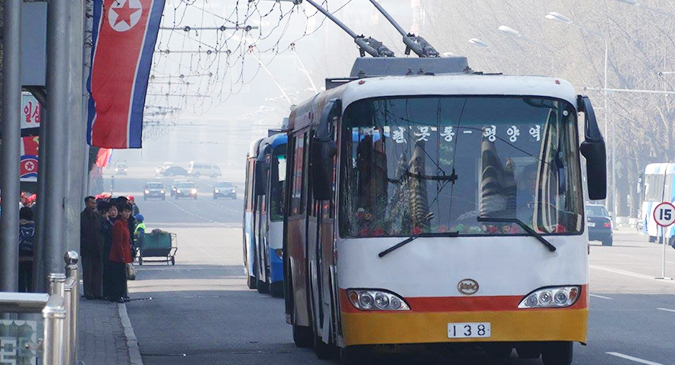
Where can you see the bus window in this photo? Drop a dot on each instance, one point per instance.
(297, 196)
(429, 165)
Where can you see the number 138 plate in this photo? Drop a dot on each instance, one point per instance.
(469, 330)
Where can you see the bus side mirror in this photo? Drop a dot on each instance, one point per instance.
(593, 149)
(323, 150)
(260, 178)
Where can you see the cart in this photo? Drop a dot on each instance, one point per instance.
(161, 246)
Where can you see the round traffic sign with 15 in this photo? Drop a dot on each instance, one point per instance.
(664, 214)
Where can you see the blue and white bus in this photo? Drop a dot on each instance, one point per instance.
(270, 214)
(264, 214)
(249, 219)
(659, 179)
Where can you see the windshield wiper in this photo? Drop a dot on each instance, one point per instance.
(522, 225)
(412, 238)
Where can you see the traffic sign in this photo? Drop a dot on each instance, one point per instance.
(664, 214)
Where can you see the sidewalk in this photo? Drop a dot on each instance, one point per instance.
(105, 334)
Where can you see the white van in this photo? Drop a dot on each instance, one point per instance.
(198, 169)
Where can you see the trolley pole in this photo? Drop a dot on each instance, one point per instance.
(56, 131)
(11, 149)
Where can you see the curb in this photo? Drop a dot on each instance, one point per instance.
(132, 342)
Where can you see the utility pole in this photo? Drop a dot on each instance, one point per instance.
(11, 149)
(53, 201)
(76, 127)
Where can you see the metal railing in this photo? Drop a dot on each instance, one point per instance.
(59, 310)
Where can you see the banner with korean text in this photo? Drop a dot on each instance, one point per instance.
(124, 37)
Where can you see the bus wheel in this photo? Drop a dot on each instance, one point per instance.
(353, 355)
(557, 353)
(251, 282)
(263, 287)
(323, 351)
(303, 336)
(277, 289)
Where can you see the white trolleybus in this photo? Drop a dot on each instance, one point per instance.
(659, 180)
(440, 207)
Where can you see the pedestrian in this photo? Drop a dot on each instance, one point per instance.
(136, 210)
(106, 230)
(123, 200)
(26, 235)
(139, 232)
(120, 255)
(91, 249)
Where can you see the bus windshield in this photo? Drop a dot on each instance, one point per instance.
(433, 165)
(277, 177)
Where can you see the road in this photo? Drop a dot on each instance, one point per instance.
(200, 311)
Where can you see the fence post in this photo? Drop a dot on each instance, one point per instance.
(72, 299)
(54, 315)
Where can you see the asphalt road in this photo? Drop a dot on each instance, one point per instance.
(200, 311)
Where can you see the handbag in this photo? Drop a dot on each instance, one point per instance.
(131, 272)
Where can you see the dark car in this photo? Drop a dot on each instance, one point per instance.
(175, 171)
(154, 190)
(225, 190)
(186, 189)
(599, 224)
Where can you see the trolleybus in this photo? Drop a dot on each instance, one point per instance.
(659, 179)
(440, 207)
(250, 227)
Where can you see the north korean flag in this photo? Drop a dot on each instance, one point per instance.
(124, 37)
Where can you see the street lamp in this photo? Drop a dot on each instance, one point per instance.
(510, 31)
(563, 19)
(637, 3)
(477, 42)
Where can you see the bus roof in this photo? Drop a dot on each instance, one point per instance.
(438, 85)
(271, 142)
(253, 149)
(660, 168)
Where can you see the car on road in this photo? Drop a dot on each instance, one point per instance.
(186, 189)
(198, 169)
(154, 189)
(599, 224)
(121, 168)
(225, 190)
(174, 185)
(175, 171)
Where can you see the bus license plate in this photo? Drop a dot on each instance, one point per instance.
(469, 330)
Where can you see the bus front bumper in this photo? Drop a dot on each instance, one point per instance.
(380, 328)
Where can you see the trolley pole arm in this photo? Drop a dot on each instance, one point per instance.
(419, 45)
(366, 45)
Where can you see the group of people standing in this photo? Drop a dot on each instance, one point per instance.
(107, 246)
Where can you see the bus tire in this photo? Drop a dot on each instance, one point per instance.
(607, 241)
(251, 282)
(557, 353)
(303, 336)
(323, 351)
(354, 355)
(263, 287)
(277, 289)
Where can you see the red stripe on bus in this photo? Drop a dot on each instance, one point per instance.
(463, 304)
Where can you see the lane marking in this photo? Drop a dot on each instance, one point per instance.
(666, 309)
(600, 296)
(629, 273)
(636, 359)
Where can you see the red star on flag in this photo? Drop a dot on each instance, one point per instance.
(124, 13)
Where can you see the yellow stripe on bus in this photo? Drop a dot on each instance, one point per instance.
(369, 328)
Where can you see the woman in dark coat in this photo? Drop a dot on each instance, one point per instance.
(109, 219)
(120, 255)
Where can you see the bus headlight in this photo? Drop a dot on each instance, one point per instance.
(376, 300)
(558, 297)
(280, 253)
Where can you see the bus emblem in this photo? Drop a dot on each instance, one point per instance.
(467, 286)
